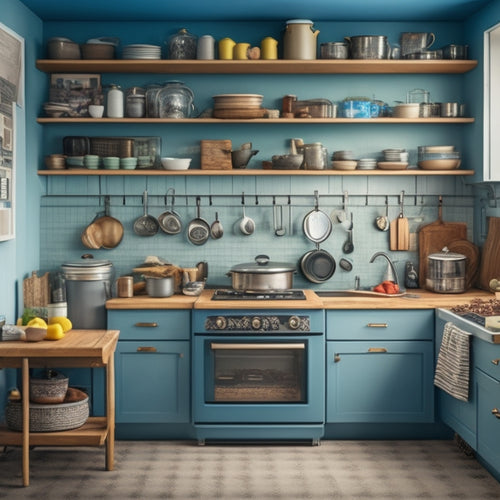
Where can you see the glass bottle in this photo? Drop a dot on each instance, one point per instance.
(135, 103)
(182, 45)
(175, 100)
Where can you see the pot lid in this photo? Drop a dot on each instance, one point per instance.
(445, 254)
(263, 265)
(87, 262)
(299, 21)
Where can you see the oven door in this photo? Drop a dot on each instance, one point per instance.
(253, 380)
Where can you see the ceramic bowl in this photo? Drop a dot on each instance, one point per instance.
(63, 48)
(287, 162)
(128, 163)
(97, 51)
(32, 334)
(55, 162)
(96, 110)
(175, 163)
(111, 162)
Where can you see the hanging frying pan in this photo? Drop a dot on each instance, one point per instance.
(198, 230)
(318, 265)
(146, 225)
(317, 225)
(170, 221)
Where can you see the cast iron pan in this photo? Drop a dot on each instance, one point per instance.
(318, 265)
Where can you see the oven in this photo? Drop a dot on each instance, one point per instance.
(258, 374)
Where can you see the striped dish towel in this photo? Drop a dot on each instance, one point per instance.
(452, 367)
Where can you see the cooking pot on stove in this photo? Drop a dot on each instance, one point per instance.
(262, 274)
(446, 272)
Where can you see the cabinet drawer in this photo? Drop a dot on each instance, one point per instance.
(487, 357)
(380, 324)
(139, 324)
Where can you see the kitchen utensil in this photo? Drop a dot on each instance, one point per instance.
(198, 230)
(334, 50)
(170, 221)
(446, 272)
(299, 40)
(368, 46)
(247, 225)
(453, 51)
(490, 258)
(382, 222)
(317, 226)
(434, 237)
(262, 274)
(348, 246)
(287, 162)
(146, 225)
(279, 228)
(345, 264)
(412, 43)
(241, 157)
(104, 231)
(216, 229)
(216, 155)
(472, 253)
(159, 287)
(318, 265)
(399, 229)
(169, 163)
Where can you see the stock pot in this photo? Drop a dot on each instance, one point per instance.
(446, 272)
(262, 275)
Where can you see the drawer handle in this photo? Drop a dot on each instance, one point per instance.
(377, 325)
(153, 324)
(146, 349)
(377, 349)
(496, 361)
(496, 412)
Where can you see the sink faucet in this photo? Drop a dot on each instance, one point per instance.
(390, 273)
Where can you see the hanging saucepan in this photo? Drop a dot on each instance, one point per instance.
(146, 225)
(318, 265)
(104, 231)
(317, 225)
(170, 221)
(198, 230)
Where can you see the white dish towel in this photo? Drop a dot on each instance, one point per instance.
(453, 363)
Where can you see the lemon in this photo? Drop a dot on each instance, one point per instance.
(55, 332)
(37, 322)
(63, 321)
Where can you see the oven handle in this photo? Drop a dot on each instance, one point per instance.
(216, 346)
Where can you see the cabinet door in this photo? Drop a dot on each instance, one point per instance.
(152, 382)
(459, 415)
(488, 418)
(385, 381)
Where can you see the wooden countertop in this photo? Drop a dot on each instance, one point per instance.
(423, 300)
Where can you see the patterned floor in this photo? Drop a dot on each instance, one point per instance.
(347, 470)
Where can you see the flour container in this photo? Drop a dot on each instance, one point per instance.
(300, 40)
(88, 286)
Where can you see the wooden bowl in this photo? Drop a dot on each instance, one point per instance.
(33, 334)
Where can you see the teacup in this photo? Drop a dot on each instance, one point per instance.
(96, 110)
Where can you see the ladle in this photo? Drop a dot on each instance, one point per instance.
(348, 246)
(382, 222)
(279, 229)
(247, 225)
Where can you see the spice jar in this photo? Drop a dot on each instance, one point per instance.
(135, 102)
(287, 105)
(182, 45)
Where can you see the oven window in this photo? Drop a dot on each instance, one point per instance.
(258, 373)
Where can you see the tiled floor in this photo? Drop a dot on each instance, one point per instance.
(347, 470)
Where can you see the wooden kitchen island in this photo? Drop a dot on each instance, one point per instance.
(79, 348)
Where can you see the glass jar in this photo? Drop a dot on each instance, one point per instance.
(182, 45)
(115, 102)
(175, 100)
(151, 95)
(135, 102)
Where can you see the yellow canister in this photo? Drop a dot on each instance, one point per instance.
(240, 50)
(226, 46)
(269, 48)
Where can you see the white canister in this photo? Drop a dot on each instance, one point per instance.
(115, 102)
(300, 40)
(206, 47)
(57, 309)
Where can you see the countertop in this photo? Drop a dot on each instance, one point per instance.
(415, 299)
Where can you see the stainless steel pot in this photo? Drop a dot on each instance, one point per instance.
(368, 47)
(262, 275)
(446, 272)
(160, 287)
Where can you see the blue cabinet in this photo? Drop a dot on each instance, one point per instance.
(381, 368)
(152, 365)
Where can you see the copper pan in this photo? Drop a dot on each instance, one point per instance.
(104, 231)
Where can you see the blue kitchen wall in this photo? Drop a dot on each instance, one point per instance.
(20, 255)
(71, 203)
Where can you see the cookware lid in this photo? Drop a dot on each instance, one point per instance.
(87, 263)
(263, 265)
(446, 255)
(299, 21)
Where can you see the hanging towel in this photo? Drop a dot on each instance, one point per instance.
(452, 367)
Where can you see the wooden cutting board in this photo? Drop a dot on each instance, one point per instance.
(434, 237)
(473, 254)
(490, 257)
(216, 155)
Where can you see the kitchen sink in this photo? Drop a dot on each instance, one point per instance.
(368, 292)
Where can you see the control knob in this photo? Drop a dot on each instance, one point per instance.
(220, 322)
(293, 322)
(256, 323)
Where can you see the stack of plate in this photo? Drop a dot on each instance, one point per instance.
(438, 158)
(367, 164)
(394, 159)
(141, 51)
(343, 155)
(238, 106)
(410, 110)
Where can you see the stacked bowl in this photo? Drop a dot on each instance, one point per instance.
(343, 160)
(409, 110)
(91, 162)
(438, 158)
(128, 163)
(55, 162)
(367, 164)
(111, 162)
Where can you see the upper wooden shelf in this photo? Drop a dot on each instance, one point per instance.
(250, 172)
(281, 66)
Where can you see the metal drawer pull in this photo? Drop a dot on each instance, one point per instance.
(496, 361)
(377, 325)
(214, 346)
(377, 349)
(496, 412)
(153, 324)
(146, 349)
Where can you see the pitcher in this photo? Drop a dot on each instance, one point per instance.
(300, 40)
(269, 48)
(226, 46)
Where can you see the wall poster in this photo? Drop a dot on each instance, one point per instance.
(11, 94)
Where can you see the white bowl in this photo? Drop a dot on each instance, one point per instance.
(175, 163)
(96, 111)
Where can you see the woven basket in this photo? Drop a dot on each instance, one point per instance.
(111, 146)
(48, 418)
(48, 390)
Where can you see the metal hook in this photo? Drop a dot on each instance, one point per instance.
(256, 199)
(210, 200)
(316, 200)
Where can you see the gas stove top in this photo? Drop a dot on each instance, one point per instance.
(230, 294)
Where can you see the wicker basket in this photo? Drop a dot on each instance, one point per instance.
(48, 418)
(111, 146)
(49, 390)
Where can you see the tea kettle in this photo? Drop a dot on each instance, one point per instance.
(300, 40)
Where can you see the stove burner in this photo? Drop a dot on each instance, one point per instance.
(230, 294)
